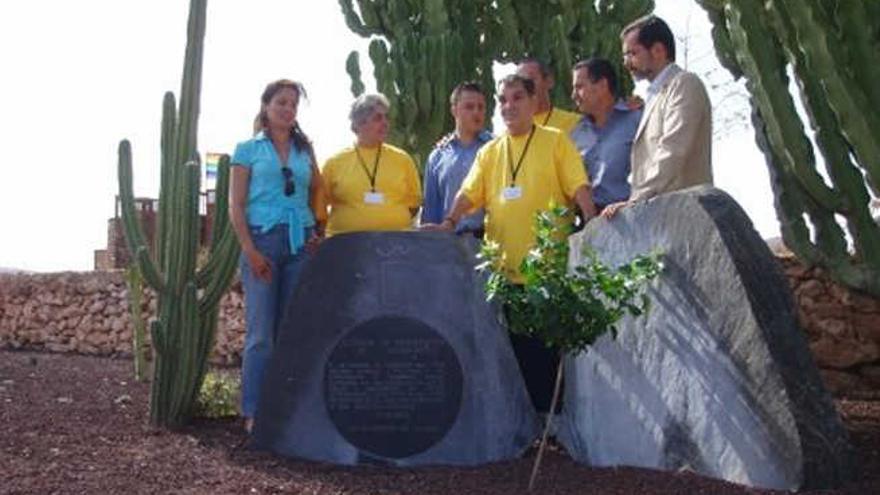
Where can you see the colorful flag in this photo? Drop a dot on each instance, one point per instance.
(211, 162)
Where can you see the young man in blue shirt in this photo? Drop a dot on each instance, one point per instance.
(604, 136)
(453, 156)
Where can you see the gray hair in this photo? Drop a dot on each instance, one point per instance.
(364, 107)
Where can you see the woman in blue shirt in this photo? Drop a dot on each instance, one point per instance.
(269, 211)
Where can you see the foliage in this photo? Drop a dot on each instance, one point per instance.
(567, 307)
(188, 295)
(831, 48)
(219, 395)
(422, 49)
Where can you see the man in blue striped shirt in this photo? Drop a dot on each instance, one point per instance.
(453, 156)
(604, 136)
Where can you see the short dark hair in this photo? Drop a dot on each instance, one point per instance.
(543, 68)
(652, 29)
(471, 86)
(512, 79)
(598, 69)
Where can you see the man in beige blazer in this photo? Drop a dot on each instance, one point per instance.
(672, 147)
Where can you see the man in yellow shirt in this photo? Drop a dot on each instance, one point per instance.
(513, 177)
(371, 185)
(545, 113)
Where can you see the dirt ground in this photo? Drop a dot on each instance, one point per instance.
(77, 424)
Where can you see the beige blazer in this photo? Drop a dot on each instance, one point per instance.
(672, 148)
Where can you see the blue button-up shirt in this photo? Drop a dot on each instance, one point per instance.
(445, 170)
(605, 152)
(658, 82)
(267, 205)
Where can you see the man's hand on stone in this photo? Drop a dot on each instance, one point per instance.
(613, 208)
(445, 226)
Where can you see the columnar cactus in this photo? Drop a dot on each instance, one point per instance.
(832, 49)
(564, 31)
(422, 49)
(188, 297)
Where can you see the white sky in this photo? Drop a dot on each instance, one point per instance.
(80, 76)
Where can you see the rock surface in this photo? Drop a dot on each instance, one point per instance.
(389, 354)
(717, 378)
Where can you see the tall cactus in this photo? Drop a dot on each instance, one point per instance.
(188, 296)
(831, 48)
(422, 48)
(420, 51)
(561, 32)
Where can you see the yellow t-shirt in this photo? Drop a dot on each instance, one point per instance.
(560, 119)
(550, 172)
(347, 182)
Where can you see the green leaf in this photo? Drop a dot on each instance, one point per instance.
(566, 308)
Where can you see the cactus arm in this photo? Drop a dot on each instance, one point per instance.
(148, 269)
(721, 37)
(859, 31)
(187, 336)
(843, 172)
(759, 56)
(220, 266)
(352, 66)
(828, 45)
(169, 124)
(134, 235)
(161, 347)
(221, 200)
(191, 84)
(215, 276)
(353, 21)
(846, 98)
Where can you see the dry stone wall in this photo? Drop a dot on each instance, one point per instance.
(843, 328)
(87, 312)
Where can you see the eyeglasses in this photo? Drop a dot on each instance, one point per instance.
(289, 186)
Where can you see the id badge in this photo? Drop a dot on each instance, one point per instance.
(374, 198)
(511, 193)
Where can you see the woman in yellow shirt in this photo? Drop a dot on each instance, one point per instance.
(371, 185)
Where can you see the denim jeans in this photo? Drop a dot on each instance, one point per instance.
(264, 304)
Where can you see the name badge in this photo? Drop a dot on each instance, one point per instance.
(374, 198)
(511, 193)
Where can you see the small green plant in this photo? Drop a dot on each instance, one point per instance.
(566, 307)
(218, 397)
(135, 282)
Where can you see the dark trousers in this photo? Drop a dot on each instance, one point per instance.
(538, 364)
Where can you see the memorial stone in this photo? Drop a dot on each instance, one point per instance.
(717, 378)
(388, 353)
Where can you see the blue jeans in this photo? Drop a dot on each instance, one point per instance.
(264, 305)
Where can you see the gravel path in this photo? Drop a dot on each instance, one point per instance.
(77, 424)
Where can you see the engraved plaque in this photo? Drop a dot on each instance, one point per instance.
(393, 386)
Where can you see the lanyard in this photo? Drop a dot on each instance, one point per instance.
(370, 176)
(515, 171)
(547, 118)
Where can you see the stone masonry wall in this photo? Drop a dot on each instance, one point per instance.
(88, 313)
(842, 325)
